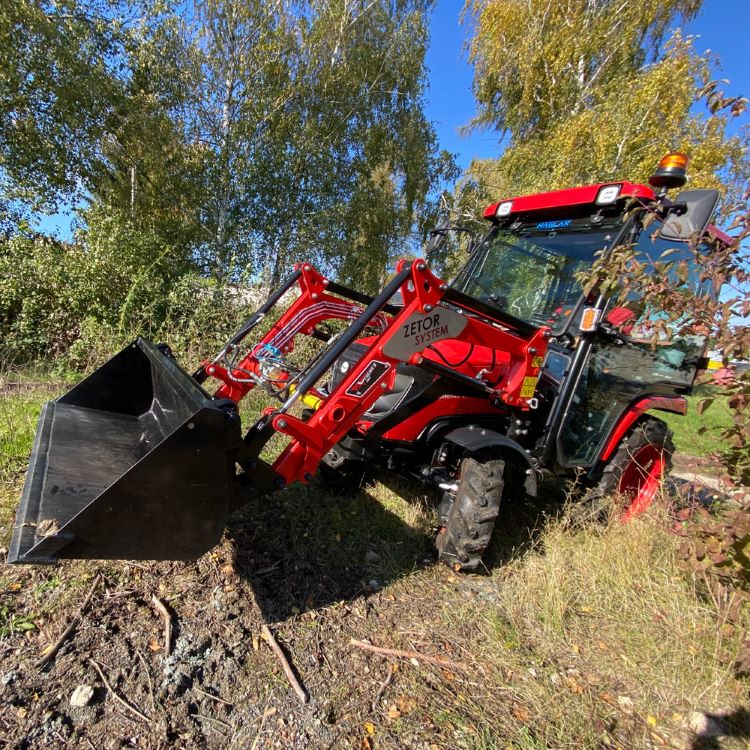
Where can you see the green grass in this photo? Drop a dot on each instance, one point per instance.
(687, 436)
(20, 403)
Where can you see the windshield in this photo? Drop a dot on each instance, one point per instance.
(529, 272)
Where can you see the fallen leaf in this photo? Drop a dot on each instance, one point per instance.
(406, 704)
(21, 713)
(228, 570)
(154, 645)
(414, 662)
(367, 743)
(393, 712)
(575, 648)
(14, 586)
(602, 645)
(651, 720)
(369, 727)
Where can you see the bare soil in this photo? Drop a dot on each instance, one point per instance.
(320, 570)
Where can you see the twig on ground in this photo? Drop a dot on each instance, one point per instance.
(148, 679)
(383, 686)
(211, 720)
(164, 612)
(213, 697)
(51, 651)
(288, 671)
(120, 700)
(263, 571)
(266, 713)
(398, 653)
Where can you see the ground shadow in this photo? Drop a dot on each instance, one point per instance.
(717, 726)
(304, 548)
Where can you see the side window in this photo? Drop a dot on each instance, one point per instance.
(673, 354)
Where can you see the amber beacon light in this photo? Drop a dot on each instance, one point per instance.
(671, 172)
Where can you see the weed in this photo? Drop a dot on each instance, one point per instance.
(11, 624)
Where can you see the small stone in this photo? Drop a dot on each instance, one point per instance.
(82, 695)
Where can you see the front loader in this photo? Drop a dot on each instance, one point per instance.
(478, 388)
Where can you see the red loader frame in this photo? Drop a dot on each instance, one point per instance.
(431, 312)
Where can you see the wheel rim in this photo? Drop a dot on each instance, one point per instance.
(641, 480)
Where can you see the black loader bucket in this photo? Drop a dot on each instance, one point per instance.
(133, 463)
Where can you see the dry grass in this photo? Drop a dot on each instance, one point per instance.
(600, 638)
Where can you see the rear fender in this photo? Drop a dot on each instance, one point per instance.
(674, 404)
(475, 438)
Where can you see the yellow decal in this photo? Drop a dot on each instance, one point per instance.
(537, 361)
(528, 387)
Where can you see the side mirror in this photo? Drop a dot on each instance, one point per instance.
(699, 207)
(436, 239)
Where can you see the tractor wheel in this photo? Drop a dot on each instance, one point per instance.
(635, 471)
(472, 516)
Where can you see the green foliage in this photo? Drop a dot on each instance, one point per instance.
(586, 99)
(212, 139)
(538, 62)
(11, 623)
(59, 89)
(625, 134)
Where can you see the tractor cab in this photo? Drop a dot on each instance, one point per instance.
(603, 358)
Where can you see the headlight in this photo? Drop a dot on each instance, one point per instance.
(503, 209)
(608, 194)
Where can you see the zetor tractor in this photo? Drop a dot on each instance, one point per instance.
(479, 387)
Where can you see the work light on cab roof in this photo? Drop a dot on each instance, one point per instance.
(670, 173)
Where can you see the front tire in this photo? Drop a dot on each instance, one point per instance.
(471, 519)
(636, 470)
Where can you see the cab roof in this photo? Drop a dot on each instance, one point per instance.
(577, 196)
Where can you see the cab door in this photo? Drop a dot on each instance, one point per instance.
(645, 354)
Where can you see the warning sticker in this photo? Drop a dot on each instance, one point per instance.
(537, 361)
(422, 329)
(368, 378)
(528, 387)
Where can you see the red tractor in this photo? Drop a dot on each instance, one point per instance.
(479, 387)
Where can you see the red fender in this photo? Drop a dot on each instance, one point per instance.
(675, 404)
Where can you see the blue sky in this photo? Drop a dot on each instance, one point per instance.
(450, 102)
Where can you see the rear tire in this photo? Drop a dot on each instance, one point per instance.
(471, 520)
(634, 473)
